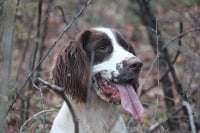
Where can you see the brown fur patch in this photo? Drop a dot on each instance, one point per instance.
(71, 70)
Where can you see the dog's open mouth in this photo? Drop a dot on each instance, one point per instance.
(123, 94)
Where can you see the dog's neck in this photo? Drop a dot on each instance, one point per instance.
(97, 113)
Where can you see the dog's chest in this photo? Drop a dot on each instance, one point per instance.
(100, 117)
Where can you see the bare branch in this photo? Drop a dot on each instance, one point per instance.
(61, 92)
(49, 50)
(34, 116)
(90, 80)
(51, 86)
(179, 42)
(60, 8)
(156, 58)
(42, 104)
(30, 25)
(189, 111)
(142, 91)
(191, 119)
(179, 36)
(158, 124)
(148, 74)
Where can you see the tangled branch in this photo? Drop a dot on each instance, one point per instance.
(79, 13)
(35, 116)
(184, 104)
(61, 92)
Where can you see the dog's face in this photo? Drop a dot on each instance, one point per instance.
(110, 59)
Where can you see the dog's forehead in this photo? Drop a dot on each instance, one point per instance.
(103, 32)
(112, 34)
(98, 34)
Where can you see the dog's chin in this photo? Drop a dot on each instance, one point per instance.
(107, 88)
(120, 93)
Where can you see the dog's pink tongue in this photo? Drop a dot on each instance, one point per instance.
(130, 101)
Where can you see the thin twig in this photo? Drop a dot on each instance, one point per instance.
(158, 67)
(158, 124)
(60, 8)
(26, 48)
(179, 42)
(90, 81)
(161, 77)
(172, 70)
(179, 36)
(34, 116)
(49, 50)
(44, 28)
(33, 57)
(159, 53)
(61, 92)
(191, 119)
(38, 35)
(42, 104)
(186, 105)
(147, 75)
(51, 86)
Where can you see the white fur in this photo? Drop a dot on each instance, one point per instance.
(119, 54)
(63, 121)
(98, 116)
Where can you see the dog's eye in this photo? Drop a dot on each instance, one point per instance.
(102, 49)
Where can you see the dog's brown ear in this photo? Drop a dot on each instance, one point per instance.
(71, 70)
(124, 42)
(83, 37)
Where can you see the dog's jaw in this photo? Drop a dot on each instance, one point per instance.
(112, 78)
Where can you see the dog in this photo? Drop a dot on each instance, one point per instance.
(100, 69)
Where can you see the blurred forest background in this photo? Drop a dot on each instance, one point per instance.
(164, 33)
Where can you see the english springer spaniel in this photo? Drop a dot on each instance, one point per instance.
(104, 54)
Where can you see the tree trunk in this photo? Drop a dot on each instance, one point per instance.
(156, 40)
(6, 41)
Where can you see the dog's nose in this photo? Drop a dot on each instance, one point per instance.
(134, 63)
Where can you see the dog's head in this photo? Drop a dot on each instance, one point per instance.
(110, 59)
